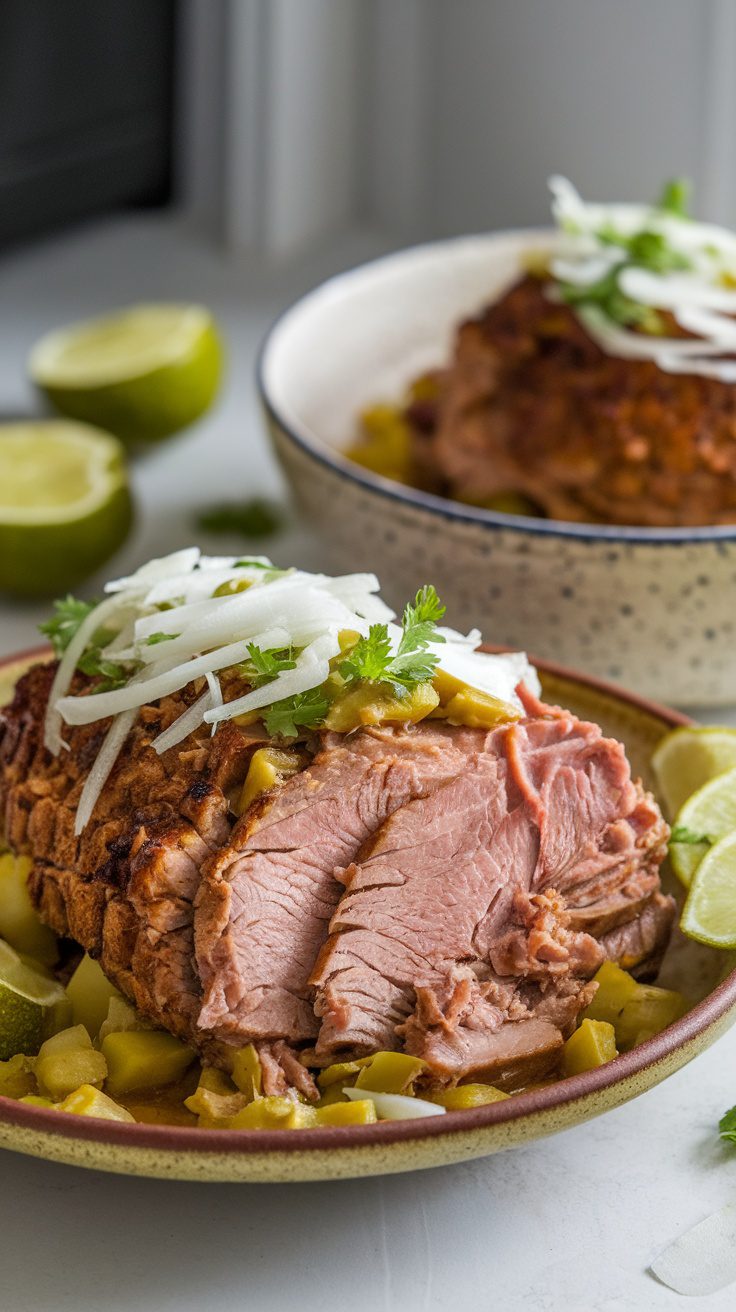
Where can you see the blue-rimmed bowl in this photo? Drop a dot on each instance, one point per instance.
(651, 608)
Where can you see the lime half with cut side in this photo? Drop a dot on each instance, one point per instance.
(65, 505)
(143, 373)
(30, 1003)
(710, 911)
(687, 758)
(704, 818)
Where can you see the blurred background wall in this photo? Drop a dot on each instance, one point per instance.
(272, 125)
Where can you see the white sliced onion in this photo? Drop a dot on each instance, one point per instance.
(216, 699)
(496, 675)
(102, 767)
(697, 297)
(311, 669)
(183, 725)
(669, 291)
(161, 567)
(53, 740)
(709, 324)
(395, 1106)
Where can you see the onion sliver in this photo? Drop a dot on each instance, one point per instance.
(183, 725)
(395, 1106)
(312, 668)
(53, 740)
(103, 764)
(162, 567)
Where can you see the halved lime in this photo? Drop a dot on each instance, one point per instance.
(29, 1004)
(687, 758)
(143, 373)
(710, 910)
(708, 815)
(65, 505)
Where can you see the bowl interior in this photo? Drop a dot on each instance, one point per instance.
(362, 336)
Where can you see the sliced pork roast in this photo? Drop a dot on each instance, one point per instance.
(265, 903)
(462, 931)
(443, 889)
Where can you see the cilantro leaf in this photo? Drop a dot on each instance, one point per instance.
(264, 666)
(369, 657)
(62, 627)
(113, 674)
(727, 1126)
(420, 619)
(155, 638)
(306, 710)
(681, 834)
(675, 198)
(251, 519)
(645, 249)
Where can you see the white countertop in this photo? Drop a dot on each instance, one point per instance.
(566, 1225)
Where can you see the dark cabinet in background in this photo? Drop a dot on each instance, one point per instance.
(86, 90)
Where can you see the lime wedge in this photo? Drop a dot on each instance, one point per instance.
(710, 910)
(64, 504)
(142, 373)
(29, 1003)
(708, 815)
(687, 758)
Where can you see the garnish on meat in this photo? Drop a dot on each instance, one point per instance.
(600, 387)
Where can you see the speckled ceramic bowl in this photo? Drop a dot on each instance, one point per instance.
(650, 608)
(707, 978)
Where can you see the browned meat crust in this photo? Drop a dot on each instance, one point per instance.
(124, 889)
(531, 404)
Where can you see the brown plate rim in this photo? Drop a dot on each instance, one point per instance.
(191, 1139)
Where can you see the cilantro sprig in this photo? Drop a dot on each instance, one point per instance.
(263, 666)
(371, 658)
(646, 249)
(113, 674)
(306, 710)
(69, 615)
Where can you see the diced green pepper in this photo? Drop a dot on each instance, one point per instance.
(88, 1101)
(593, 1044)
(89, 991)
(615, 989)
(649, 1011)
(68, 1060)
(340, 1071)
(390, 1072)
(144, 1059)
(17, 1077)
(274, 1114)
(215, 1099)
(360, 1112)
(247, 1073)
(20, 925)
(467, 1095)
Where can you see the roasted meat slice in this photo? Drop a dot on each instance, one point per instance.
(458, 919)
(266, 900)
